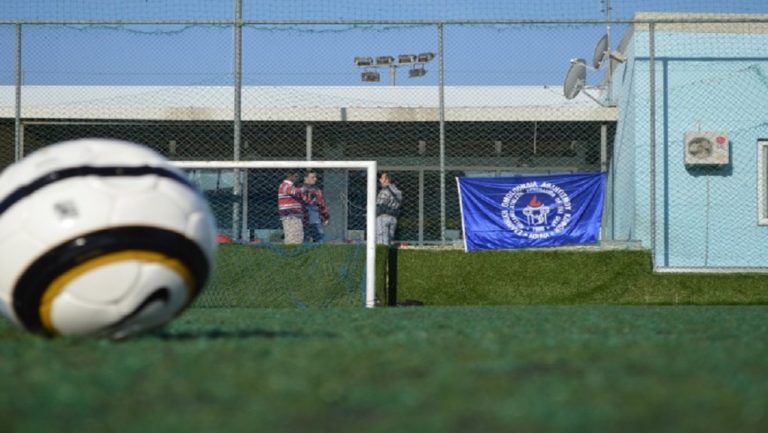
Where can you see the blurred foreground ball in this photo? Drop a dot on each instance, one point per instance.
(100, 237)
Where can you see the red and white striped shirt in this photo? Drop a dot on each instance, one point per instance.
(289, 200)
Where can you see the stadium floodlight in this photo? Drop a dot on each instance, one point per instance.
(371, 63)
(417, 72)
(364, 61)
(425, 57)
(335, 183)
(370, 76)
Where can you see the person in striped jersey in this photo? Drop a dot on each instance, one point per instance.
(291, 209)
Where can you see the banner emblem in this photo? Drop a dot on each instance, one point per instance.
(547, 210)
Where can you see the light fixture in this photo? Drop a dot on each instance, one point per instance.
(363, 61)
(417, 72)
(425, 57)
(370, 76)
(371, 65)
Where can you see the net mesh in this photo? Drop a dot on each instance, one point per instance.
(255, 265)
(276, 276)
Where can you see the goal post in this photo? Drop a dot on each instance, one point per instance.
(239, 188)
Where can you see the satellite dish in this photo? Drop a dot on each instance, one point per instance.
(575, 78)
(601, 49)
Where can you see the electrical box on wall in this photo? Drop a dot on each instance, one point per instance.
(706, 148)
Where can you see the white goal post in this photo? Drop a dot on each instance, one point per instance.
(370, 209)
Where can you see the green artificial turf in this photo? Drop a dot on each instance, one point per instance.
(582, 368)
(440, 277)
(333, 275)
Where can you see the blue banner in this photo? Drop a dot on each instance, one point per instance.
(531, 211)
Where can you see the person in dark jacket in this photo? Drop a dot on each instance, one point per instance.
(388, 202)
(316, 214)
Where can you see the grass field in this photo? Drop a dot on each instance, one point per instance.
(580, 368)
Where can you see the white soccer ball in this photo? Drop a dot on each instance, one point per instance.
(100, 237)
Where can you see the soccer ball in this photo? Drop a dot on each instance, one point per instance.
(100, 237)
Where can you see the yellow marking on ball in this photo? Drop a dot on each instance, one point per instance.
(57, 285)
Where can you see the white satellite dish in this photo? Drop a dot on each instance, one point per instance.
(575, 78)
(601, 50)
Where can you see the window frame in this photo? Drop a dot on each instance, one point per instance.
(762, 182)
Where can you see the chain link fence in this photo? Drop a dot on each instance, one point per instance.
(428, 99)
(176, 95)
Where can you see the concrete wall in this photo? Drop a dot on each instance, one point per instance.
(707, 81)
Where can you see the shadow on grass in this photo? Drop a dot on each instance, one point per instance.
(216, 334)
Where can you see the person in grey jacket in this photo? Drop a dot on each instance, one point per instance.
(388, 202)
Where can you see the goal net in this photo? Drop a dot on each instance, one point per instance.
(296, 247)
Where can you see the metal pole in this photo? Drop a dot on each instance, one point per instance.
(309, 142)
(441, 111)
(652, 67)
(238, 77)
(608, 11)
(239, 221)
(18, 149)
(604, 169)
(603, 147)
(421, 206)
(370, 236)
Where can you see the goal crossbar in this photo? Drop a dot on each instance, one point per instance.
(370, 207)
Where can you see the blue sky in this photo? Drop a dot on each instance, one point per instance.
(278, 54)
(355, 9)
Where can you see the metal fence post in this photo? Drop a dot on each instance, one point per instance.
(239, 210)
(18, 145)
(441, 110)
(652, 85)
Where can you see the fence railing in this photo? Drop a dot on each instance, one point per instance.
(428, 100)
